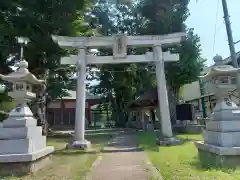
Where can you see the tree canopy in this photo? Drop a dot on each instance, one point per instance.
(118, 84)
(122, 83)
(38, 20)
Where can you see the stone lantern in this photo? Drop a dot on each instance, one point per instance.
(221, 136)
(22, 147)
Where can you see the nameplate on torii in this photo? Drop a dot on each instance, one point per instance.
(119, 46)
(91, 59)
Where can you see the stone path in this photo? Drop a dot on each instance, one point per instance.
(121, 160)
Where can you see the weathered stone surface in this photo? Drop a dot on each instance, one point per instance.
(168, 141)
(223, 126)
(79, 145)
(221, 144)
(231, 114)
(228, 151)
(224, 139)
(5, 158)
(21, 146)
(20, 132)
(218, 156)
(21, 168)
(20, 122)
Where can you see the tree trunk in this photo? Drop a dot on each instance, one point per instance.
(153, 118)
(38, 108)
(42, 111)
(108, 120)
(62, 110)
(119, 110)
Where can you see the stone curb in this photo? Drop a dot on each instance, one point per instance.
(155, 174)
(88, 176)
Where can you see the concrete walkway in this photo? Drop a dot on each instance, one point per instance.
(121, 160)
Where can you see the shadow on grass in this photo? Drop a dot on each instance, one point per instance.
(65, 152)
(207, 164)
(147, 141)
(122, 150)
(204, 161)
(186, 140)
(79, 152)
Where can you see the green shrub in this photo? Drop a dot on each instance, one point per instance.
(3, 115)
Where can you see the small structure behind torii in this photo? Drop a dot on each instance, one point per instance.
(119, 43)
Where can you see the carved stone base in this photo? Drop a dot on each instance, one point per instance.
(79, 145)
(22, 168)
(218, 156)
(168, 141)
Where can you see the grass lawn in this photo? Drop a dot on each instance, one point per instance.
(181, 162)
(67, 164)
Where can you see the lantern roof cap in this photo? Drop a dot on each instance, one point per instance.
(22, 74)
(218, 59)
(219, 68)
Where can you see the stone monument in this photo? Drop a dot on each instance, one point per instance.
(221, 145)
(22, 147)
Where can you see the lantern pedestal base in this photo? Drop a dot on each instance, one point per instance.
(22, 146)
(218, 156)
(168, 141)
(20, 164)
(79, 145)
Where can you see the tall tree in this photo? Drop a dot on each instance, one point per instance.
(141, 18)
(163, 17)
(116, 82)
(38, 20)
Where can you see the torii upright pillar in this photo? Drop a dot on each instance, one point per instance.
(166, 126)
(79, 138)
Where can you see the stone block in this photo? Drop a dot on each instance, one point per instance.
(21, 132)
(224, 126)
(218, 156)
(23, 111)
(227, 151)
(26, 157)
(168, 141)
(79, 145)
(19, 122)
(20, 164)
(224, 139)
(226, 115)
(22, 146)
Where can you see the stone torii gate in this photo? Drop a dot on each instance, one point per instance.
(119, 43)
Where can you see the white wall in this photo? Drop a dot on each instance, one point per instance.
(191, 91)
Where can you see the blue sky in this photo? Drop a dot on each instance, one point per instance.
(203, 19)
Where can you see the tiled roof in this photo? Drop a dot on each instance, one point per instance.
(148, 98)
